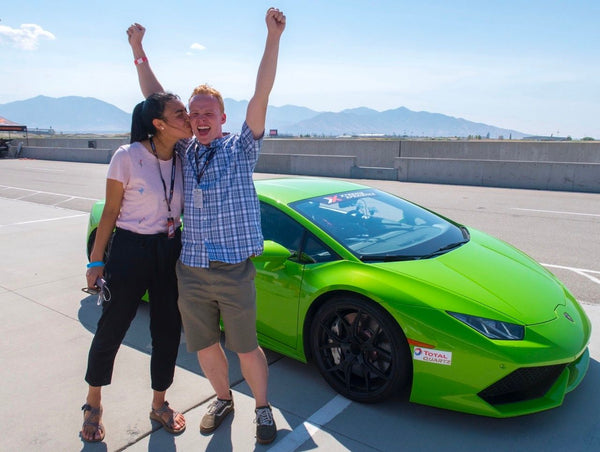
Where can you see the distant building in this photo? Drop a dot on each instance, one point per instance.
(545, 138)
(37, 131)
(273, 132)
(7, 125)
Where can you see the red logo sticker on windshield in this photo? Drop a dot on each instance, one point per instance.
(333, 199)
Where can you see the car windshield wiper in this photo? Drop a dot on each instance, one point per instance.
(406, 257)
(445, 248)
(392, 258)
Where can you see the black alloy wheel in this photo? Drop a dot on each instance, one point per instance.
(360, 349)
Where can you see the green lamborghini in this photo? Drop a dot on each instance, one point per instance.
(383, 296)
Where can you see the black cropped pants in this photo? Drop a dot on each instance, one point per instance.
(138, 263)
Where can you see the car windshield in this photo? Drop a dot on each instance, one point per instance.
(377, 226)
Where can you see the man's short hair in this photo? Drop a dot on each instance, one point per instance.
(209, 91)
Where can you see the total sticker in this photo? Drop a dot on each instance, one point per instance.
(432, 356)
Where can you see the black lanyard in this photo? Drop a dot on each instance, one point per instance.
(173, 165)
(199, 172)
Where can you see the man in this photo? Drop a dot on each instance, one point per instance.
(221, 233)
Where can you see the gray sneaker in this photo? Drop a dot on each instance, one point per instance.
(266, 431)
(217, 412)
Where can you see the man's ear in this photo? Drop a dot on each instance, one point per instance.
(223, 118)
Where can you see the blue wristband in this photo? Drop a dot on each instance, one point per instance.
(95, 264)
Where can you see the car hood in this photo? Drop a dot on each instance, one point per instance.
(490, 274)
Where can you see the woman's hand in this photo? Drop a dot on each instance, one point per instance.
(92, 274)
(135, 34)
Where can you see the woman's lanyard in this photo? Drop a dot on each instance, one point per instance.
(170, 220)
(197, 198)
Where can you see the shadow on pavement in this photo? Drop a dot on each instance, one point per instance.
(138, 338)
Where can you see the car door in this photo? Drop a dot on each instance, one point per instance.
(280, 286)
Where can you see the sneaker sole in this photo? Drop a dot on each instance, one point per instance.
(266, 441)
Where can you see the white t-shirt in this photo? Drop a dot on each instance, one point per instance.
(144, 207)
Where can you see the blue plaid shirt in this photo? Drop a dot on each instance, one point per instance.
(226, 227)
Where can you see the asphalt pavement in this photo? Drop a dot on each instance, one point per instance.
(46, 325)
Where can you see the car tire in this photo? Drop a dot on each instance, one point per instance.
(360, 350)
(90, 245)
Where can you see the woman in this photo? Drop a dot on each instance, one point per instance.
(144, 200)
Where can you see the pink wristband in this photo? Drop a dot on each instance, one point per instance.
(140, 60)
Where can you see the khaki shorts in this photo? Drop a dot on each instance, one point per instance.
(223, 291)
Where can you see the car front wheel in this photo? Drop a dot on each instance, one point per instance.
(359, 349)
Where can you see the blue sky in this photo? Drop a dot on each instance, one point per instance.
(530, 66)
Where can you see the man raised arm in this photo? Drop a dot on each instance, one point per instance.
(257, 107)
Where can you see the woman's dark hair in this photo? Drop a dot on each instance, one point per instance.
(144, 112)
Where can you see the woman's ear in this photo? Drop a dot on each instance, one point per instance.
(158, 124)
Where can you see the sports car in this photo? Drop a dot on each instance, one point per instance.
(384, 295)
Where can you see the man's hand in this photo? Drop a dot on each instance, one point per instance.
(275, 21)
(257, 107)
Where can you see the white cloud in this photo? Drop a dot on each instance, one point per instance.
(27, 37)
(196, 46)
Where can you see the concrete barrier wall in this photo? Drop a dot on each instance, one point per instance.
(579, 177)
(381, 153)
(76, 143)
(307, 164)
(569, 166)
(376, 153)
(85, 155)
(531, 151)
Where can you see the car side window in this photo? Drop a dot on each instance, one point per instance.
(317, 251)
(286, 231)
(280, 228)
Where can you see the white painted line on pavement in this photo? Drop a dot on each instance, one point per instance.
(312, 425)
(35, 192)
(45, 170)
(580, 271)
(45, 220)
(65, 200)
(559, 212)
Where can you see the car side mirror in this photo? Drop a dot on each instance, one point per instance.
(273, 256)
(273, 251)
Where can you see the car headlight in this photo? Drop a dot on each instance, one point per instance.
(493, 329)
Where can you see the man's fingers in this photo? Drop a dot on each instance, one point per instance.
(276, 15)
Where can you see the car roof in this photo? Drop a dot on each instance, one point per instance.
(289, 189)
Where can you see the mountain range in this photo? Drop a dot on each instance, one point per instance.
(74, 114)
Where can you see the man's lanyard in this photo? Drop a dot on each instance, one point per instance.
(199, 172)
(173, 165)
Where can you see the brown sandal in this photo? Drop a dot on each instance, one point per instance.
(168, 425)
(95, 413)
